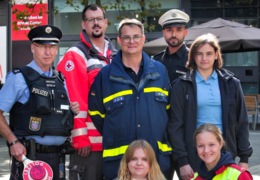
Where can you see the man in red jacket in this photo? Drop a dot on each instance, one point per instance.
(80, 65)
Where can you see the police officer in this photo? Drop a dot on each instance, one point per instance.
(41, 116)
(175, 56)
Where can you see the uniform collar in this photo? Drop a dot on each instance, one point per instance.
(179, 52)
(199, 78)
(117, 68)
(38, 69)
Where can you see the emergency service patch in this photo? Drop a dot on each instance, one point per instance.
(35, 123)
(118, 99)
(69, 66)
(40, 92)
(160, 94)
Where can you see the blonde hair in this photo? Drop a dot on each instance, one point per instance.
(154, 171)
(129, 22)
(210, 39)
(210, 128)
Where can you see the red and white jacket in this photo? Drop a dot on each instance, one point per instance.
(80, 65)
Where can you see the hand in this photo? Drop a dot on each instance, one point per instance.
(186, 172)
(75, 106)
(243, 165)
(84, 151)
(17, 150)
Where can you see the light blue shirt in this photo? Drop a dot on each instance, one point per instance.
(15, 89)
(208, 101)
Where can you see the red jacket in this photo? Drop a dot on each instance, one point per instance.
(80, 65)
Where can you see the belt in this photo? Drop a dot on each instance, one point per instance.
(47, 149)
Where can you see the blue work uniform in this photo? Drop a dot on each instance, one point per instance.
(123, 110)
(15, 90)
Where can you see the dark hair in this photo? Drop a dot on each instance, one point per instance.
(92, 7)
(200, 41)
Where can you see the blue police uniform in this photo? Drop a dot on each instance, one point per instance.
(124, 111)
(15, 89)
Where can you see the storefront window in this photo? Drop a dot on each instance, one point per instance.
(249, 87)
(241, 59)
(249, 22)
(69, 20)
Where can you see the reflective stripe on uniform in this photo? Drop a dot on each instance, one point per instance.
(82, 114)
(168, 106)
(155, 89)
(121, 93)
(90, 125)
(96, 139)
(79, 132)
(229, 173)
(163, 147)
(114, 152)
(93, 113)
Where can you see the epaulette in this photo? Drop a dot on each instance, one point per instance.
(16, 70)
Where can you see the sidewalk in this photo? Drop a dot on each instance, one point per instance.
(254, 160)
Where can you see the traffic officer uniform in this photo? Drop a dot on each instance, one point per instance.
(125, 108)
(174, 63)
(40, 115)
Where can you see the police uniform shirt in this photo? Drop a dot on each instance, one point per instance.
(15, 89)
(174, 63)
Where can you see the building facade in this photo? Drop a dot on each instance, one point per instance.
(244, 64)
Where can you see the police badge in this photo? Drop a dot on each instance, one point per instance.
(35, 123)
(48, 30)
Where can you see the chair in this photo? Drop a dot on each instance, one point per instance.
(251, 105)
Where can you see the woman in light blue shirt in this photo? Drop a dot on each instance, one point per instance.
(207, 94)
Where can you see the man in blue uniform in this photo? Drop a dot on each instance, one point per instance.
(129, 100)
(41, 116)
(175, 56)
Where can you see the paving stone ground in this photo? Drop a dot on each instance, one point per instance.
(254, 160)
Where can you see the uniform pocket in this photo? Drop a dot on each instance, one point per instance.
(41, 98)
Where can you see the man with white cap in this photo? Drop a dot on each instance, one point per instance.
(175, 56)
(40, 112)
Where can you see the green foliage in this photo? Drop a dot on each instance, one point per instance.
(147, 8)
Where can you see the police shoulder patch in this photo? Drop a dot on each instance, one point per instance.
(35, 123)
(69, 66)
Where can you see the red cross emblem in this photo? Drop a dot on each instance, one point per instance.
(69, 66)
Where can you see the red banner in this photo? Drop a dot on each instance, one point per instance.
(33, 19)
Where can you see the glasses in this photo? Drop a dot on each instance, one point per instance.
(92, 20)
(136, 38)
(43, 47)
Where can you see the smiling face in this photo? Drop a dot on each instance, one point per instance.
(131, 47)
(174, 36)
(138, 165)
(97, 27)
(205, 57)
(208, 148)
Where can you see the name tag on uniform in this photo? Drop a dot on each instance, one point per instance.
(118, 99)
(50, 83)
(160, 94)
(64, 107)
(180, 72)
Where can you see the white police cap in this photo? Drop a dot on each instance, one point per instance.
(173, 18)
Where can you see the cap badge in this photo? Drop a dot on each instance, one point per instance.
(174, 14)
(48, 30)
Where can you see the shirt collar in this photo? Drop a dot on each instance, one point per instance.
(38, 69)
(199, 78)
(179, 52)
(105, 48)
(141, 65)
